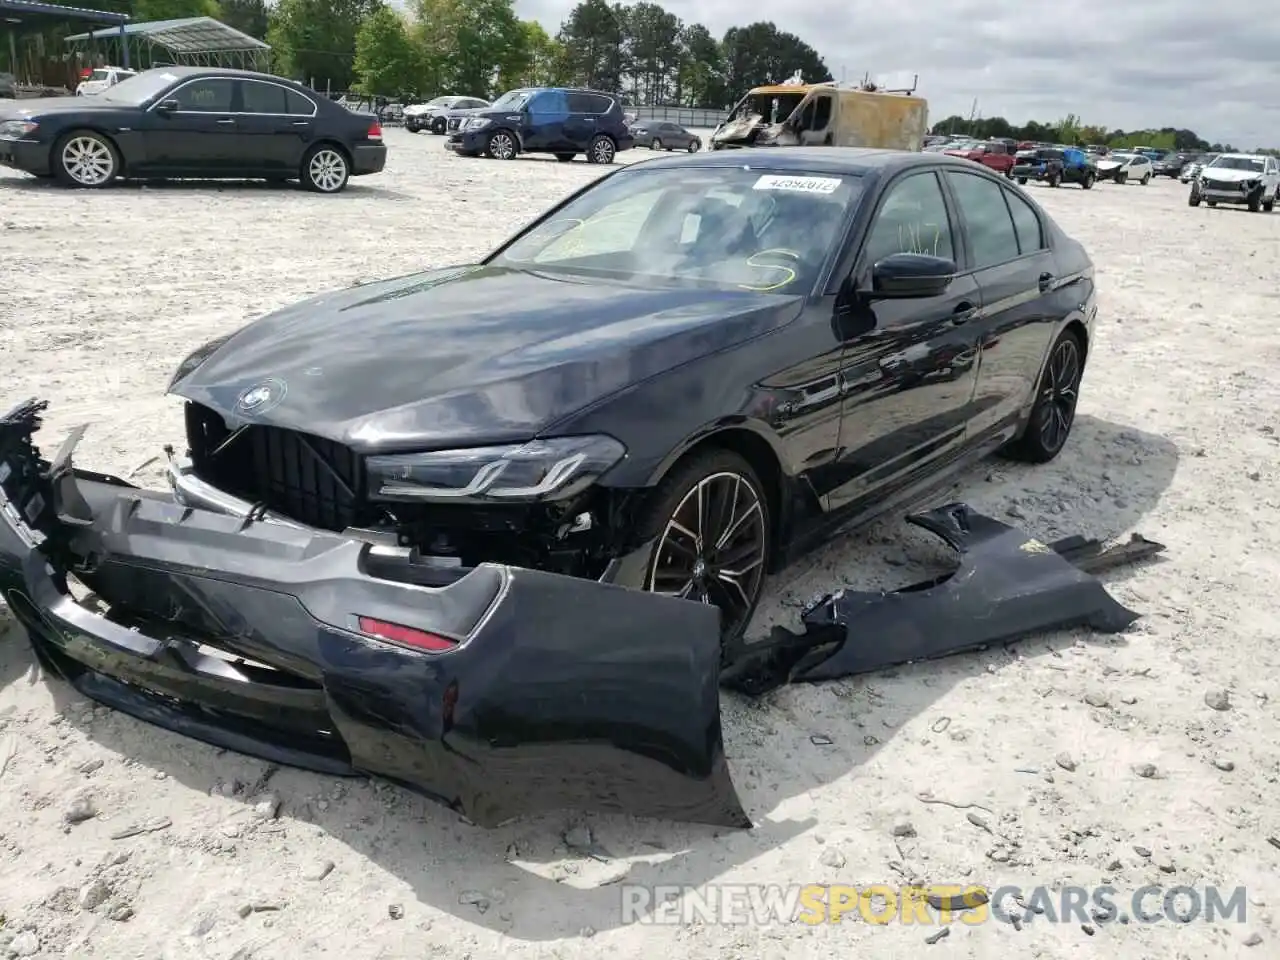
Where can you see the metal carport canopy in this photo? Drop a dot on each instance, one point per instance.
(189, 36)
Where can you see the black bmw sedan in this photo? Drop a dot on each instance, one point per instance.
(192, 122)
(676, 379)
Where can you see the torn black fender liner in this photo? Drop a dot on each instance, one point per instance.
(503, 693)
(1006, 586)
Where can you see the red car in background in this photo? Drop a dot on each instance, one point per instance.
(996, 154)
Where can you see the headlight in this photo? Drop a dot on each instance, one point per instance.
(195, 358)
(17, 129)
(476, 123)
(537, 470)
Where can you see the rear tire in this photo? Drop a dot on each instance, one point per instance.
(565, 157)
(1054, 411)
(438, 125)
(325, 169)
(1022, 181)
(656, 144)
(731, 573)
(602, 149)
(1145, 179)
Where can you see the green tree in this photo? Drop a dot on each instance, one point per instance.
(700, 80)
(548, 66)
(761, 53)
(385, 59)
(247, 16)
(592, 36)
(315, 40)
(653, 52)
(144, 10)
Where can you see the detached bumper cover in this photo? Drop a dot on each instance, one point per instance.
(1007, 586)
(560, 693)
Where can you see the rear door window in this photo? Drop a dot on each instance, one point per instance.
(256, 97)
(993, 239)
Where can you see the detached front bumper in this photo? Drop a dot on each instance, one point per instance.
(538, 692)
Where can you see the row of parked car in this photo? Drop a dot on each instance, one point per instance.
(555, 120)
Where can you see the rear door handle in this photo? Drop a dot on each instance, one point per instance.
(1046, 281)
(963, 313)
(225, 122)
(302, 123)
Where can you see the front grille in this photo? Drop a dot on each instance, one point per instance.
(311, 480)
(455, 123)
(1220, 184)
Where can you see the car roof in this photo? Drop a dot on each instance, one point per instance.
(850, 160)
(1243, 156)
(183, 72)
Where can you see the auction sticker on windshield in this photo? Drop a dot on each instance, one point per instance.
(798, 184)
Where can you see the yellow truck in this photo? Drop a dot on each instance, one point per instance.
(824, 114)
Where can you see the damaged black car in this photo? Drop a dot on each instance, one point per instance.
(447, 528)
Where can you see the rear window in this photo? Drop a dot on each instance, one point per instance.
(263, 97)
(589, 103)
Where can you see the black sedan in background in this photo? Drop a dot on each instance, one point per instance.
(192, 122)
(663, 135)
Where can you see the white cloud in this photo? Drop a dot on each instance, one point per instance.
(1208, 66)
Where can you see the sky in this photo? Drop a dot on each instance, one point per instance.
(1212, 67)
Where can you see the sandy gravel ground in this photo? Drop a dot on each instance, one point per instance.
(1099, 760)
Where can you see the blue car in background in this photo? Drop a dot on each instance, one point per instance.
(1055, 166)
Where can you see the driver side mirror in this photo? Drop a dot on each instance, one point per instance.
(167, 106)
(908, 276)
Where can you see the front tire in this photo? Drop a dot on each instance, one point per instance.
(438, 125)
(85, 159)
(602, 150)
(1255, 202)
(1145, 179)
(1022, 181)
(1193, 198)
(1054, 411)
(656, 144)
(710, 520)
(501, 145)
(565, 157)
(1087, 182)
(693, 146)
(1122, 179)
(325, 169)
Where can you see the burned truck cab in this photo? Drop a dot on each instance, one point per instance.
(824, 114)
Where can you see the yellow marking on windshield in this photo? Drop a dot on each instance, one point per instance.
(791, 274)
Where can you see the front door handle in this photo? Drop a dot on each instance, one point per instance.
(225, 122)
(963, 313)
(302, 123)
(1046, 281)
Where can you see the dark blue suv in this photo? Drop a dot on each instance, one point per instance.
(553, 120)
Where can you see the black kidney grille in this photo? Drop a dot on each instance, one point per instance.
(309, 479)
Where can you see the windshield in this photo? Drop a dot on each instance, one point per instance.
(440, 101)
(512, 100)
(773, 109)
(732, 229)
(1238, 163)
(139, 89)
(1121, 157)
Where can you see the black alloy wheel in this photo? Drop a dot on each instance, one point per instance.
(1054, 412)
(713, 545)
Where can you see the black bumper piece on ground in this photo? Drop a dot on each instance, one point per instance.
(500, 691)
(1007, 586)
(550, 692)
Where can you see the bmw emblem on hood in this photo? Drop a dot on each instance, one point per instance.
(261, 397)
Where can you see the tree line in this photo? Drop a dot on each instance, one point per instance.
(1071, 130)
(640, 50)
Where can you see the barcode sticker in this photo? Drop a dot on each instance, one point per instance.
(798, 184)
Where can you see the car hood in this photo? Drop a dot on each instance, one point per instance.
(1112, 164)
(470, 354)
(1230, 176)
(44, 106)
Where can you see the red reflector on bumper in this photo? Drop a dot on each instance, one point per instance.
(407, 636)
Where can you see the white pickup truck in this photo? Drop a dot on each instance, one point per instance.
(101, 79)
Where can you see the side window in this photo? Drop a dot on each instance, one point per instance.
(823, 116)
(992, 236)
(296, 105)
(912, 219)
(597, 104)
(1025, 223)
(580, 103)
(205, 96)
(549, 103)
(262, 97)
